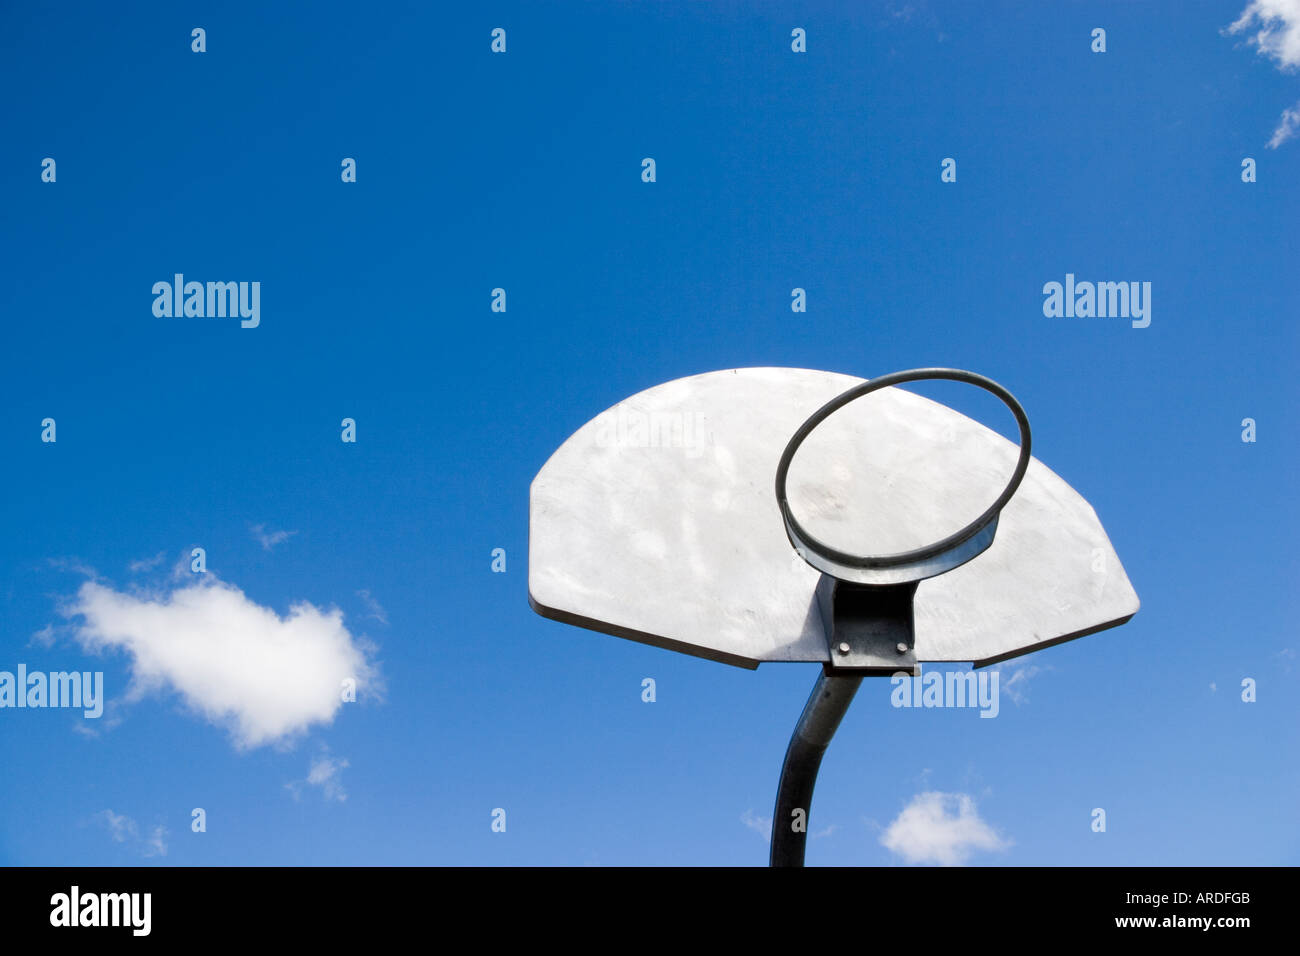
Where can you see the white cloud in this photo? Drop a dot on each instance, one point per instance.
(111, 720)
(941, 828)
(42, 638)
(1272, 27)
(156, 843)
(326, 773)
(374, 607)
(269, 539)
(761, 825)
(119, 826)
(1017, 684)
(183, 569)
(75, 566)
(264, 677)
(1275, 26)
(147, 564)
(125, 830)
(1287, 127)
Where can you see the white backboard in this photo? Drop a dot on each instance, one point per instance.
(657, 521)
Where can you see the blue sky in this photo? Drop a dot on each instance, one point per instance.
(522, 170)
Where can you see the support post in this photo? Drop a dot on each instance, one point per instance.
(826, 706)
(869, 631)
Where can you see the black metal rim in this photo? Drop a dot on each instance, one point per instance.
(801, 538)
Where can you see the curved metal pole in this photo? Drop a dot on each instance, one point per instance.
(826, 706)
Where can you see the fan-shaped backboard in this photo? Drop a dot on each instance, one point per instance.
(657, 521)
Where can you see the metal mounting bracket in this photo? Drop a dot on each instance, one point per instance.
(869, 627)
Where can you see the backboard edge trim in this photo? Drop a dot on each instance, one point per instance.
(1049, 643)
(641, 637)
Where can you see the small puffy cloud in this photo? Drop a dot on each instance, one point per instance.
(269, 539)
(125, 830)
(941, 828)
(1272, 27)
(264, 677)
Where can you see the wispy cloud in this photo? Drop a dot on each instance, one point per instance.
(326, 773)
(264, 677)
(375, 609)
(1272, 27)
(1017, 684)
(1287, 127)
(183, 568)
(156, 842)
(269, 539)
(42, 638)
(147, 564)
(119, 826)
(903, 12)
(112, 719)
(942, 828)
(125, 830)
(760, 825)
(74, 565)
